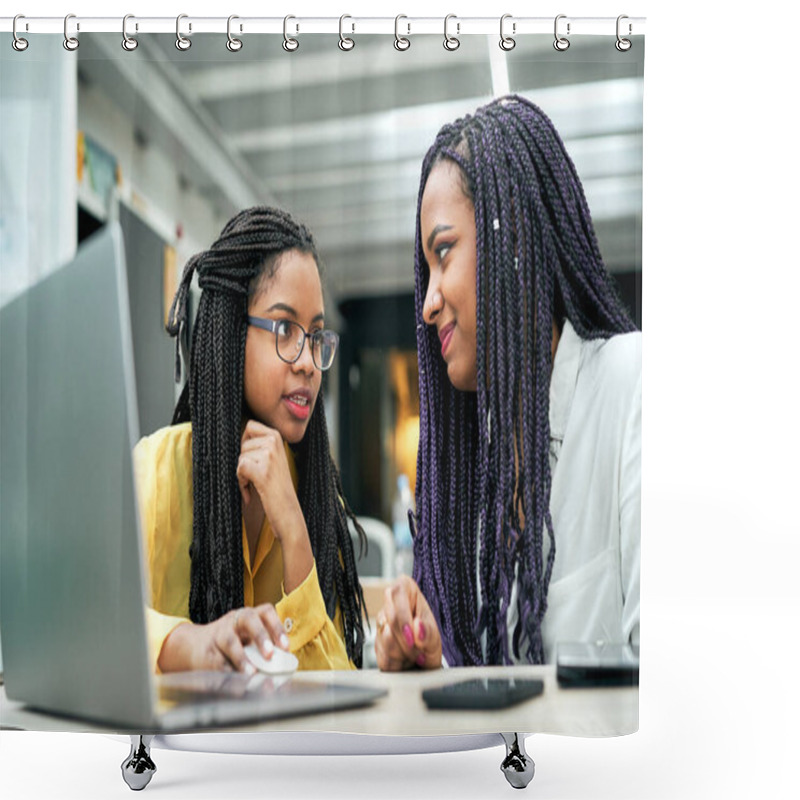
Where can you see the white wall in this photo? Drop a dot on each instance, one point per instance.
(37, 158)
(151, 183)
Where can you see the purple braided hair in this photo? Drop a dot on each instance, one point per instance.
(483, 469)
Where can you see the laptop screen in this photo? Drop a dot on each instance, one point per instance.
(72, 590)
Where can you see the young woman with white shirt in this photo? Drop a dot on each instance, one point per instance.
(528, 480)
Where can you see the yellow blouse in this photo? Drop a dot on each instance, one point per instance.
(163, 465)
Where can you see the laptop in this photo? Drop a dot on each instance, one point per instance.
(72, 574)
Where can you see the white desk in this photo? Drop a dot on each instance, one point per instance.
(574, 712)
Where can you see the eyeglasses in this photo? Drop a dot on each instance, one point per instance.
(290, 338)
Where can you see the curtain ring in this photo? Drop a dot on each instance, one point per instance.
(128, 42)
(70, 42)
(561, 43)
(400, 42)
(451, 43)
(233, 44)
(345, 43)
(181, 42)
(19, 44)
(623, 45)
(290, 44)
(507, 42)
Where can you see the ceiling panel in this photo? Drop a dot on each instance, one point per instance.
(338, 138)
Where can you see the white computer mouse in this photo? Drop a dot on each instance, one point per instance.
(281, 663)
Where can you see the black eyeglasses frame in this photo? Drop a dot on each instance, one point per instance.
(271, 325)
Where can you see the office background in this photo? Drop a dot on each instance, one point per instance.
(175, 143)
(718, 708)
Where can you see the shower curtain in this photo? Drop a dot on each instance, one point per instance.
(172, 141)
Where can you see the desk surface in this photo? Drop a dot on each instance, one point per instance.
(574, 712)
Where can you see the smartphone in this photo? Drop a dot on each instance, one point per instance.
(581, 664)
(482, 693)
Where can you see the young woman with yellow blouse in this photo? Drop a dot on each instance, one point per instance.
(246, 525)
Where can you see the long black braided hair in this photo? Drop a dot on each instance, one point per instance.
(483, 460)
(229, 273)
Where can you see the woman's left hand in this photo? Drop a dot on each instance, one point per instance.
(407, 634)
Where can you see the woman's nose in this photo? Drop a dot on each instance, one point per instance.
(305, 363)
(433, 304)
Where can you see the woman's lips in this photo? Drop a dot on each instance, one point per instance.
(299, 405)
(445, 335)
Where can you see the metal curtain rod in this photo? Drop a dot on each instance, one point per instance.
(407, 26)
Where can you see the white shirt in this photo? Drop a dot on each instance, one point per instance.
(595, 500)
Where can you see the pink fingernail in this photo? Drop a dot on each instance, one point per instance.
(421, 660)
(409, 635)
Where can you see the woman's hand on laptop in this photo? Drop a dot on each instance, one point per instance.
(407, 635)
(219, 645)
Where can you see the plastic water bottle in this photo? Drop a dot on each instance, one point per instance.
(403, 503)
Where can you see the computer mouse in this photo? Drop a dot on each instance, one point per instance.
(281, 663)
